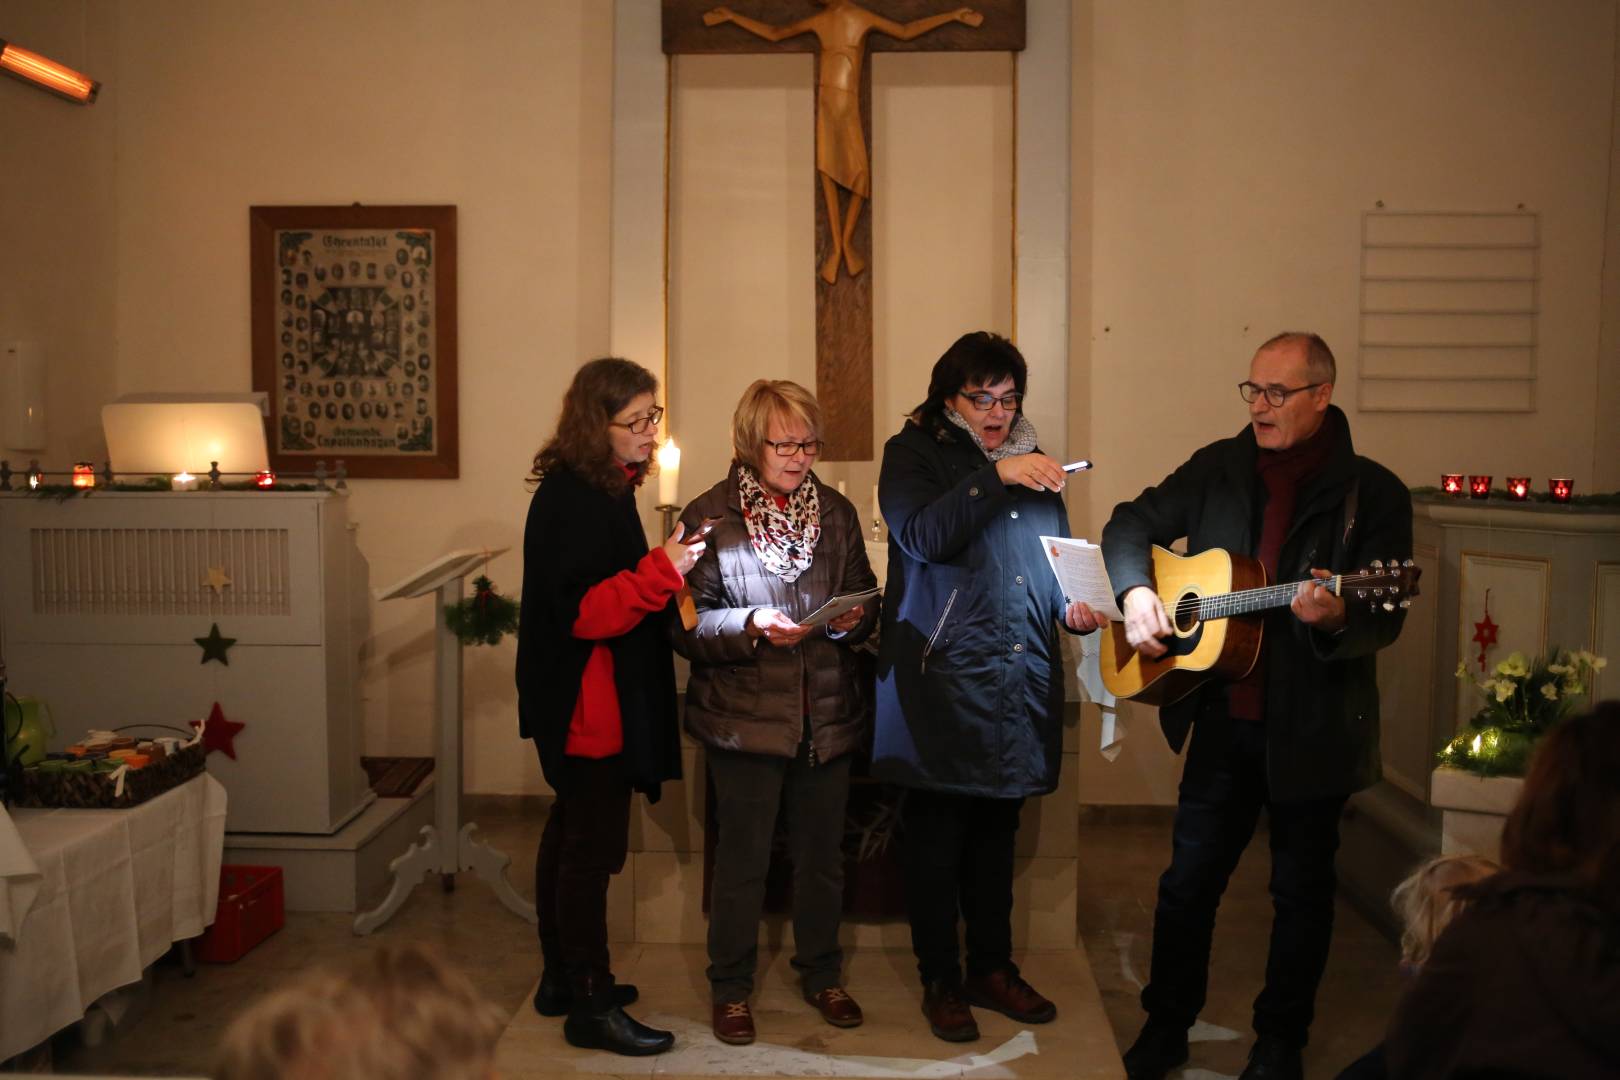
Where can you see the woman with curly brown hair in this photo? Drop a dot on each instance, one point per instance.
(596, 683)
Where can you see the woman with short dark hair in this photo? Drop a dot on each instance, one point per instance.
(970, 692)
(596, 683)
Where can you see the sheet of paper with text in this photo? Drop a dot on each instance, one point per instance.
(1081, 574)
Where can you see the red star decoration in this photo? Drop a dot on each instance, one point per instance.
(1485, 634)
(219, 733)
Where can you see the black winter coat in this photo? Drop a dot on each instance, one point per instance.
(576, 536)
(1525, 983)
(970, 682)
(1321, 689)
(748, 695)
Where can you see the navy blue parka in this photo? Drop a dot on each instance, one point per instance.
(970, 683)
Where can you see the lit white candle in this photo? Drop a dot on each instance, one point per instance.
(183, 481)
(877, 512)
(669, 474)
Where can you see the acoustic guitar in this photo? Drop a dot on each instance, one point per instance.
(1213, 600)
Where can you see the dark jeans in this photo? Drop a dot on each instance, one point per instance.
(584, 843)
(957, 858)
(1222, 792)
(748, 790)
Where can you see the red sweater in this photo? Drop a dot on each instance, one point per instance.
(611, 608)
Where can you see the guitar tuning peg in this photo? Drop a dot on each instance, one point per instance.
(1378, 592)
(1389, 605)
(1378, 564)
(1361, 594)
(1405, 604)
(1408, 564)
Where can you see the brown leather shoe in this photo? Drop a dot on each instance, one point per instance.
(733, 1022)
(837, 1007)
(948, 1014)
(1007, 993)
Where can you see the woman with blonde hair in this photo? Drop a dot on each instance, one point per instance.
(778, 705)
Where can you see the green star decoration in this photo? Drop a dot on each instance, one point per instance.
(214, 646)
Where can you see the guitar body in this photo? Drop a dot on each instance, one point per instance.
(1198, 651)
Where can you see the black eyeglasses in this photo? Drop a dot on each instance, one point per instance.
(984, 402)
(640, 424)
(1276, 395)
(788, 449)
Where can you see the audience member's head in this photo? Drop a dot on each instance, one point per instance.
(399, 1014)
(1567, 821)
(1426, 901)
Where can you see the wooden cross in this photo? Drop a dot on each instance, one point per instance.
(843, 32)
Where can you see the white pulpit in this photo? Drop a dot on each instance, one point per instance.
(103, 598)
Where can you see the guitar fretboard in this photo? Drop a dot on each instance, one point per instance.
(1249, 601)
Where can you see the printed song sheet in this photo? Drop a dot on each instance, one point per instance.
(1081, 574)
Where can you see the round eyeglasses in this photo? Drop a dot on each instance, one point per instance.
(640, 424)
(1275, 395)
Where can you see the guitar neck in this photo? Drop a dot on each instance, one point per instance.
(1249, 601)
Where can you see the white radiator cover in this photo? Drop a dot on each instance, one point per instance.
(102, 595)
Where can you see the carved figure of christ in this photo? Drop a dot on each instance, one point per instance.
(840, 34)
(841, 156)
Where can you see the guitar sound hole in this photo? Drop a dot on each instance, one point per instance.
(1185, 615)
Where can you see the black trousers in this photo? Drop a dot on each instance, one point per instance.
(1222, 792)
(749, 789)
(957, 859)
(584, 843)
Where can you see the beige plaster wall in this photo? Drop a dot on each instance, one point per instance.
(57, 177)
(501, 108)
(1229, 154)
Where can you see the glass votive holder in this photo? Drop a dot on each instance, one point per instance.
(1518, 488)
(1561, 489)
(1479, 487)
(1451, 483)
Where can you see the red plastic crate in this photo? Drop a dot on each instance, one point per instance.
(251, 908)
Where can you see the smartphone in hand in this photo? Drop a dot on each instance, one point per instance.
(702, 531)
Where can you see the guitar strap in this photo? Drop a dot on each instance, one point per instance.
(1350, 512)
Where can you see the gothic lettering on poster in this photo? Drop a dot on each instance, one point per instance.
(357, 320)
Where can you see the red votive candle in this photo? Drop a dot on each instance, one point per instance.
(265, 479)
(1451, 483)
(1518, 488)
(84, 475)
(1560, 488)
(1479, 487)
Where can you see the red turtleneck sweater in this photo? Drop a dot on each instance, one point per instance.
(610, 608)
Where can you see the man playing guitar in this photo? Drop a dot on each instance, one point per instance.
(1296, 735)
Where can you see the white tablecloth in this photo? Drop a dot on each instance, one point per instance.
(115, 889)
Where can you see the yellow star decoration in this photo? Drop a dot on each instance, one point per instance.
(216, 579)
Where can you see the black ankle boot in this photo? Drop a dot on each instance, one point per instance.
(597, 1022)
(1158, 1049)
(556, 998)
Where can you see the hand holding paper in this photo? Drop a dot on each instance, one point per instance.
(1078, 567)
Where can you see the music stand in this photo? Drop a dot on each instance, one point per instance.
(446, 846)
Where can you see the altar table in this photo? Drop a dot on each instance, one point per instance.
(92, 897)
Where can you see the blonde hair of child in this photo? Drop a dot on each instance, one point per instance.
(1426, 902)
(401, 1013)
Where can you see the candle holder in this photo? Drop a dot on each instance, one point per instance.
(84, 475)
(1518, 488)
(1561, 489)
(1452, 484)
(1479, 487)
(669, 510)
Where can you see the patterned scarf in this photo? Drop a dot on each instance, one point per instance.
(1020, 440)
(784, 537)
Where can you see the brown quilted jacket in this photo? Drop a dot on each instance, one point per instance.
(752, 696)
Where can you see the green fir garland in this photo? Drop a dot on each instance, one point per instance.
(484, 617)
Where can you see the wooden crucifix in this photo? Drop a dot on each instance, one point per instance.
(840, 32)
